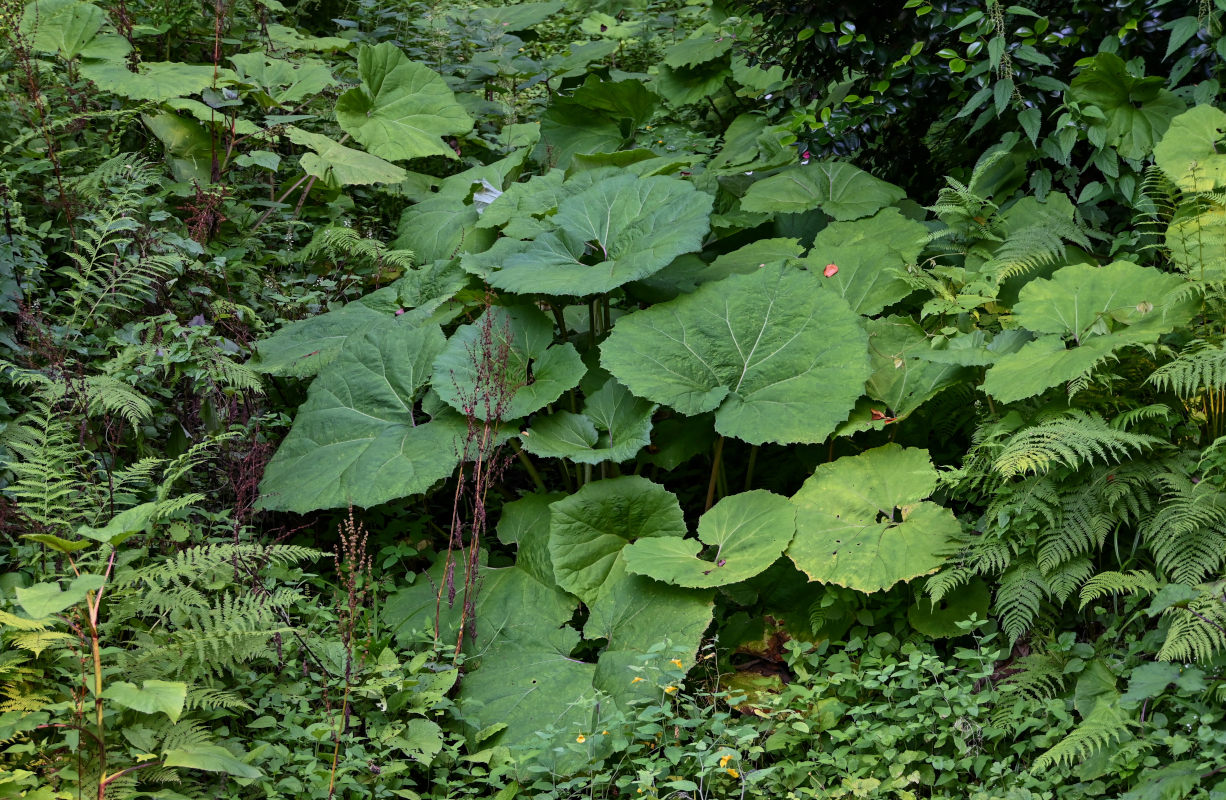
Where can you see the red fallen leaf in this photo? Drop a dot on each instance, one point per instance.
(830, 270)
(880, 416)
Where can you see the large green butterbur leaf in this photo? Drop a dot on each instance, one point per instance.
(589, 533)
(283, 82)
(152, 80)
(332, 162)
(1131, 113)
(358, 440)
(619, 229)
(776, 357)
(1188, 154)
(748, 532)
(871, 256)
(589, 529)
(1082, 316)
(840, 190)
(862, 522)
(525, 675)
(469, 377)
(904, 372)
(614, 426)
(402, 109)
(71, 28)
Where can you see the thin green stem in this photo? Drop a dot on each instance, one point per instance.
(716, 462)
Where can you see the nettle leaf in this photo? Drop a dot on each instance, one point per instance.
(1137, 111)
(357, 440)
(589, 529)
(1083, 315)
(774, 355)
(614, 426)
(838, 189)
(536, 371)
(903, 377)
(333, 162)
(620, 229)
(748, 531)
(871, 256)
(402, 109)
(1188, 153)
(862, 523)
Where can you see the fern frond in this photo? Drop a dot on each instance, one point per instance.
(1071, 440)
(1200, 367)
(340, 242)
(109, 395)
(1039, 676)
(1197, 630)
(1019, 596)
(213, 699)
(1036, 246)
(1187, 534)
(1064, 578)
(1109, 582)
(1105, 725)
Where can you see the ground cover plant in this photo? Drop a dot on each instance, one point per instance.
(641, 398)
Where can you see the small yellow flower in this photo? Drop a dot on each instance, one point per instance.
(581, 738)
(733, 772)
(677, 663)
(636, 680)
(669, 689)
(604, 733)
(723, 762)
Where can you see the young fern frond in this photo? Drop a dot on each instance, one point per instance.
(1187, 534)
(109, 395)
(1109, 583)
(1070, 440)
(346, 243)
(1064, 578)
(1036, 246)
(1200, 367)
(1019, 596)
(1104, 726)
(1197, 629)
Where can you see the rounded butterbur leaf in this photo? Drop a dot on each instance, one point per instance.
(589, 529)
(862, 521)
(747, 533)
(505, 365)
(838, 189)
(614, 426)
(1188, 154)
(621, 228)
(402, 109)
(1081, 317)
(358, 440)
(773, 354)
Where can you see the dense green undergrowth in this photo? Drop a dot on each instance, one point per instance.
(621, 399)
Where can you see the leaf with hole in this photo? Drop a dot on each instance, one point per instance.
(863, 522)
